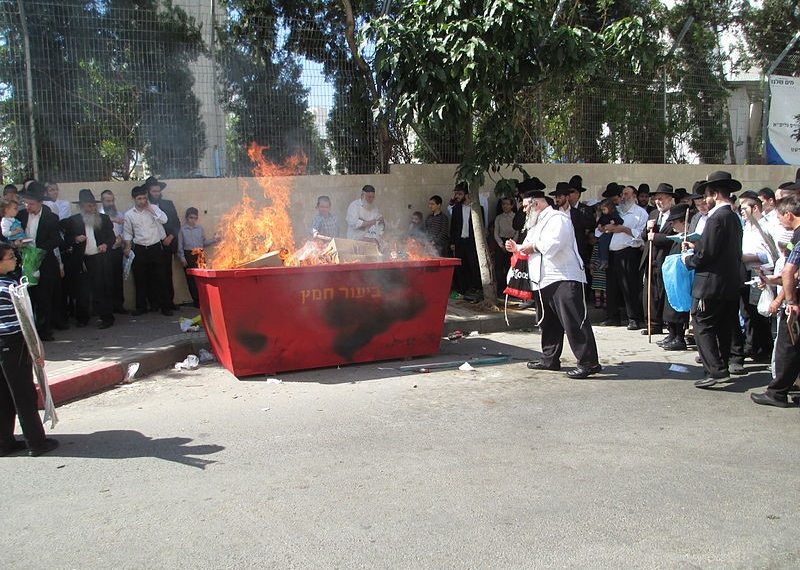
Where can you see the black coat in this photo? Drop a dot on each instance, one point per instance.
(173, 224)
(661, 245)
(74, 227)
(583, 224)
(717, 259)
(457, 220)
(48, 238)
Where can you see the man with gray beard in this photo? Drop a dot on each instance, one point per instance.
(89, 236)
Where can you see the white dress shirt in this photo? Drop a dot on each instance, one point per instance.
(143, 227)
(357, 214)
(634, 218)
(556, 256)
(60, 208)
(33, 225)
(91, 242)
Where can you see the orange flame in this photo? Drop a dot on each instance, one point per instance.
(250, 231)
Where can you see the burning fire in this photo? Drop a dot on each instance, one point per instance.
(251, 231)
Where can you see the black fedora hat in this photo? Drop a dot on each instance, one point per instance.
(531, 183)
(719, 179)
(677, 212)
(537, 194)
(643, 187)
(612, 189)
(35, 191)
(153, 181)
(86, 196)
(577, 183)
(664, 188)
(680, 194)
(562, 189)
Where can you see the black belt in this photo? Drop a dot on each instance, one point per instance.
(147, 246)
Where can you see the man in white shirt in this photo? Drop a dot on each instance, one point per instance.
(60, 208)
(108, 207)
(622, 276)
(143, 230)
(556, 272)
(466, 277)
(364, 221)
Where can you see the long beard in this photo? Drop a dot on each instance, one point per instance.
(533, 217)
(91, 220)
(111, 211)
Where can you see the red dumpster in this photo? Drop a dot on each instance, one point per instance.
(275, 319)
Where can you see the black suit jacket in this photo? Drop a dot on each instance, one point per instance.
(456, 221)
(48, 238)
(74, 227)
(717, 259)
(694, 221)
(582, 223)
(661, 245)
(173, 225)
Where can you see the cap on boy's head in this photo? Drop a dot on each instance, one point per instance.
(368, 188)
(138, 191)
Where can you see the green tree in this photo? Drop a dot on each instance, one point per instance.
(262, 91)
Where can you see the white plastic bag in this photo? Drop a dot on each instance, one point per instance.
(765, 300)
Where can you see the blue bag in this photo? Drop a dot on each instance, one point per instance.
(678, 281)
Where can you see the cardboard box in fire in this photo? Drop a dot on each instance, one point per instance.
(341, 250)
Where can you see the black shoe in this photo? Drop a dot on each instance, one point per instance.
(49, 445)
(610, 323)
(166, 312)
(105, 323)
(61, 326)
(634, 325)
(666, 340)
(121, 311)
(765, 399)
(81, 324)
(138, 312)
(736, 368)
(677, 344)
(690, 340)
(539, 365)
(709, 381)
(172, 307)
(12, 448)
(656, 330)
(46, 337)
(584, 372)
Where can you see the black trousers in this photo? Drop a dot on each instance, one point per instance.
(17, 393)
(42, 298)
(95, 290)
(658, 297)
(191, 263)
(787, 361)
(115, 259)
(148, 277)
(502, 263)
(169, 287)
(468, 275)
(623, 287)
(757, 329)
(563, 311)
(714, 323)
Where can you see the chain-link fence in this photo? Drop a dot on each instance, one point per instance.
(122, 89)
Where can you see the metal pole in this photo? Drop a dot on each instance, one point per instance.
(29, 87)
(765, 105)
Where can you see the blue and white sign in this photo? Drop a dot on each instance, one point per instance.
(782, 147)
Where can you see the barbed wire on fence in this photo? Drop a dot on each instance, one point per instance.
(102, 90)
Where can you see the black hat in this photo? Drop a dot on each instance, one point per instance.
(643, 187)
(537, 194)
(677, 212)
(719, 179)
(35, 191)
(138, 191)
(577, 183)
(612, 189)
(680, 194)
(748, 194)
(85, 196)
(562, 189)
(664, 188)
(368, 188)
(531, 183)
(153, 181)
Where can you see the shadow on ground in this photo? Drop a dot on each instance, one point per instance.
(129, 444)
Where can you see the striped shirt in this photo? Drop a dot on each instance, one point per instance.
(9, 324)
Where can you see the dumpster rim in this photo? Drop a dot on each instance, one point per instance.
(379, 265)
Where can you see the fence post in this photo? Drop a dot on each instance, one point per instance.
(29, 87)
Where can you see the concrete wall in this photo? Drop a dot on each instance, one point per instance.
(406, 189)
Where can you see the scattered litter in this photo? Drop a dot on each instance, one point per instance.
(133, 368)
(205, 356)
(274, 381)
(466, 367)
(452, 364)
(188, 325)
(264, 409)
(679, 368)
(414, 386)
(474, 333)
(424, 371)
(455, 335)
(191, 362)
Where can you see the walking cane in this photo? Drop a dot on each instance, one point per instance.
(649, 291)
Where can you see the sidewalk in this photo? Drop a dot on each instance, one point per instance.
(82, 361)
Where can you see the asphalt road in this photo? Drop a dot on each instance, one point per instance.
(368, 467)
